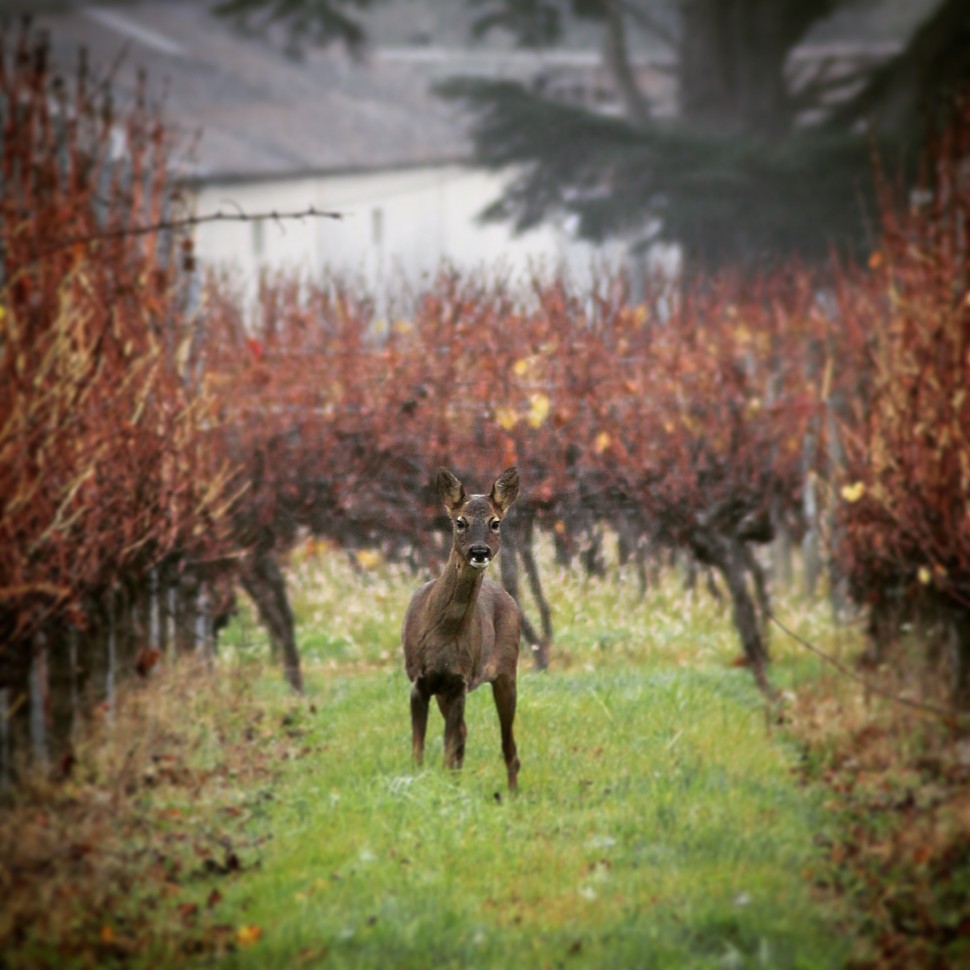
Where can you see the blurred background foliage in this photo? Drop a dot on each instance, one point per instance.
(766, 157)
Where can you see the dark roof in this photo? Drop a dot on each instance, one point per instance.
(259, 111)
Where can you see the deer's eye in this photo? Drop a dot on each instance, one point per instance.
(461, 524)
(495, 523)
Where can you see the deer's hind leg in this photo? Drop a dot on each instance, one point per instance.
(504, 691)
(452, 708)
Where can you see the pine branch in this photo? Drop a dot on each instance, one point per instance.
(919, 69)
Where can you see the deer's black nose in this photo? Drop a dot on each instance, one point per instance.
(479, 555)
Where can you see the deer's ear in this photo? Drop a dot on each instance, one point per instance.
(450, 490)
(505, 489)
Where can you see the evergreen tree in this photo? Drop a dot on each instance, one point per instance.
(751, 170)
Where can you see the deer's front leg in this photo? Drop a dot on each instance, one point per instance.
(453, 710)
(419, 721)
(504, 691)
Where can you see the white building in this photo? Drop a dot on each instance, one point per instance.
(366, 138)
(395, 225)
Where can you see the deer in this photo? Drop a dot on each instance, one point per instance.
(461, 630)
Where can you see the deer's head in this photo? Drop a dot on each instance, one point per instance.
(476, 519)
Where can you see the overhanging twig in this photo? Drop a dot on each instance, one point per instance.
(187, 222)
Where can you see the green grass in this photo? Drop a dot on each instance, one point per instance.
(659, 822)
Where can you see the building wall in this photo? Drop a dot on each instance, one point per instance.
(399, 225)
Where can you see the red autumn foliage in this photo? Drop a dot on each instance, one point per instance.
(904, 514)
(344, 414)
(105, 469)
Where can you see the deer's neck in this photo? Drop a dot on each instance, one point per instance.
(454, 597)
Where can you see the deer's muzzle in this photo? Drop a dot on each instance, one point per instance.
(479, 556)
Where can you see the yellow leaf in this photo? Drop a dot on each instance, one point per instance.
(369, 558)
(520, 367)
(248, 935)
(539, 410)
(507, 418)
(855, 491)
(924, 576)
(403, 326)
(601, 443)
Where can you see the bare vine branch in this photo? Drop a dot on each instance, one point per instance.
(164, 225)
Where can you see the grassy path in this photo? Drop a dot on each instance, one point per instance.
(659, 825)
